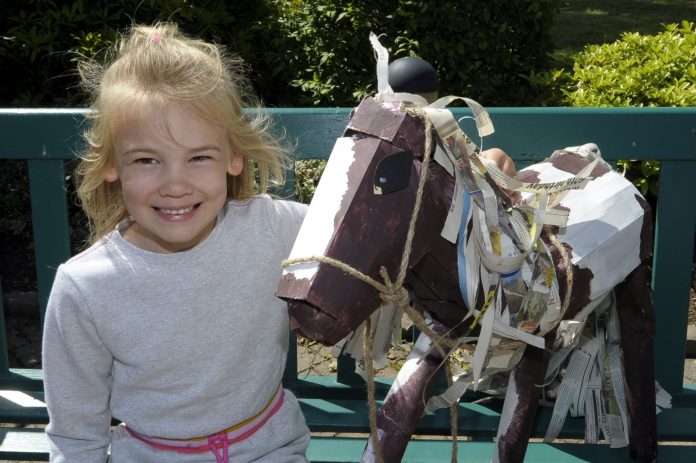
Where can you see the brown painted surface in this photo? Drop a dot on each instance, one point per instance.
(637, 318)
(512, 443)
(399, 415)
(574, 163)
(646, 232)
(372, 236)
(528, 176)
(433, 275)
(638, 342)
(290, 287)
(401, 129)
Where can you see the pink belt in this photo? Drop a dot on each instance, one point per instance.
(220, 441)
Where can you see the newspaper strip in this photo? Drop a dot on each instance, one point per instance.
(617, 411)
(663, 399)
(384, 322)
(615, 422)
(483, 344)
(593, 405)
(577, 182)
(576, 376)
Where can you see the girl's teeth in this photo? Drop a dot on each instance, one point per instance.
(177, 211)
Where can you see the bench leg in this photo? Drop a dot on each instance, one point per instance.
(637, 318)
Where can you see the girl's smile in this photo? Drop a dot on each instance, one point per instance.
(173, 171)
(176, 214)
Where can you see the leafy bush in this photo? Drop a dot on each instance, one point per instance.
(300, 52)
(42, 39)
(636, 70)
(307, 175)
(484, 50)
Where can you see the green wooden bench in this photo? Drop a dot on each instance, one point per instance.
(47, 138)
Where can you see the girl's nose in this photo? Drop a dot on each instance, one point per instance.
(175, 182)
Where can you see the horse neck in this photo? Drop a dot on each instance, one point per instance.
(433, 273)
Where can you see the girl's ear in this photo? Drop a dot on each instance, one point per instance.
(235, 164)
(111, 173)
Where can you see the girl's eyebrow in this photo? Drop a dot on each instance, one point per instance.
(139, 150)
(197, 149)
(211, 147)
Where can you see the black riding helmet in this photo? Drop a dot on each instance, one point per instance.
(414, 75)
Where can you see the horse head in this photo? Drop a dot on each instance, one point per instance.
(358, 225)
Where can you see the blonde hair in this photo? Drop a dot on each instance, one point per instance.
(150, 67)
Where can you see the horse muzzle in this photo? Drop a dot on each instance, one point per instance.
(311, 322)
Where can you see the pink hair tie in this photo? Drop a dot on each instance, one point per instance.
(156, 37)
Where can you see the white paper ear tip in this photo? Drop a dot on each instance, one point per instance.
(382, 65)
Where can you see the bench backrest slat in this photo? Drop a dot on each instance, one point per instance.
(49, 218)
(672, 265)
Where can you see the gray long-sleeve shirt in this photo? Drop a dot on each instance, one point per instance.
(175, 345)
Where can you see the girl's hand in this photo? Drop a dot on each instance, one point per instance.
(505, 164)
(502, 160)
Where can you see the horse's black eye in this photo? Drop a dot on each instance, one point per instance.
(393, 172)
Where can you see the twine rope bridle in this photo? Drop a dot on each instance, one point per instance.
(568, 267)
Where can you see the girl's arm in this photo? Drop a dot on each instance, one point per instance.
(77, 378)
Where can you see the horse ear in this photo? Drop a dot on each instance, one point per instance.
(393, 172)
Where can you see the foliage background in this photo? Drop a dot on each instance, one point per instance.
(300, 52)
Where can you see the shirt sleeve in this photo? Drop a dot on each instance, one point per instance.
(286, 218)
(77, 377)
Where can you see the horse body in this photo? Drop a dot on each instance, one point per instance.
(360, 218)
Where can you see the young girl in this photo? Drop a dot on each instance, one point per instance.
(168, 322)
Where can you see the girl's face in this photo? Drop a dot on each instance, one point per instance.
(173, 172)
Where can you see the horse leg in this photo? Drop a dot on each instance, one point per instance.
(634, 304)
(404, 404)
(520, 406)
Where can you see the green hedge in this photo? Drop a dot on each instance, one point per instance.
(636, 70)
(42, 39)
(300, 52)
(483, 50)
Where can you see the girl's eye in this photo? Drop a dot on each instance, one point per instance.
(201, 157)
(146, 161)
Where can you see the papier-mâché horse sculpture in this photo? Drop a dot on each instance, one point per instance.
(529, 290)
(360, 218)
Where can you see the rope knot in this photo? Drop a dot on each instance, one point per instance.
(393, 293)
(398, 297)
